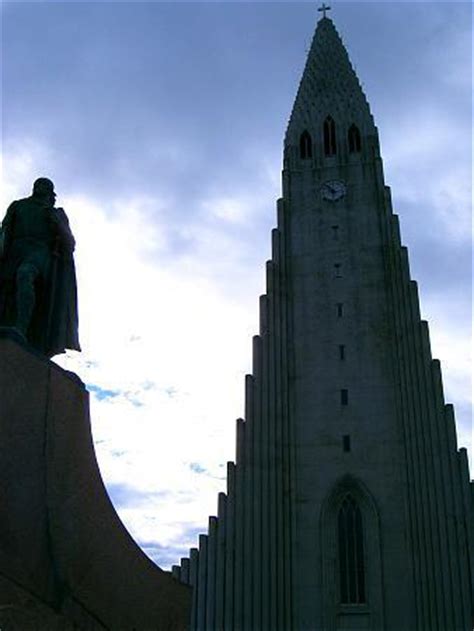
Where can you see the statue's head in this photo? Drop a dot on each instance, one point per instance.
(43, 188)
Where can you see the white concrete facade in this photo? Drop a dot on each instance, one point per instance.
(349, 505)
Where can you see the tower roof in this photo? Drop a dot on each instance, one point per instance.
(329, 85)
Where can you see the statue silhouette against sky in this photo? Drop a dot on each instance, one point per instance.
(38, 295)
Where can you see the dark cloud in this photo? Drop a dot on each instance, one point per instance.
(208, 86)
(157, 101)
(186, 103)
(163, 556)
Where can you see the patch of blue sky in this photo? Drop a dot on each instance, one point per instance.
(197, 468)
(102, 394)
(132, 397)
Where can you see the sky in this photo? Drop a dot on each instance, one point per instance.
(162, 125)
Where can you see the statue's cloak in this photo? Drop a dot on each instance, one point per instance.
(54, 324)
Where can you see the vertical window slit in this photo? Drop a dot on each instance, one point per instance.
(344, 397)
(354, 139)
(306, 146)
(329, 136)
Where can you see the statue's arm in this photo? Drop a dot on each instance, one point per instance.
(64, 231)
(7, 230)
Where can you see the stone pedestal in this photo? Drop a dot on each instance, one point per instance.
(65, 557)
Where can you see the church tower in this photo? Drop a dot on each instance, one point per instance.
(349, 505)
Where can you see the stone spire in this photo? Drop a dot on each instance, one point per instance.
(329, 87)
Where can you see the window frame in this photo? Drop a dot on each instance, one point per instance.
(331, 608)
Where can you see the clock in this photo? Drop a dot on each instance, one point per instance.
(333, 190)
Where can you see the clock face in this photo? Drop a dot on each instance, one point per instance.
(333, 190)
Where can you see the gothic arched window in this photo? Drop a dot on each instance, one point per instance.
(354, 139)
(329, 133)
(306, 146)
(350, 552)
(351, 569)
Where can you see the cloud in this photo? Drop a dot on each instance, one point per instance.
(124, 495)
(170, 554)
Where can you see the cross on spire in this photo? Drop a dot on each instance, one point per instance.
(324, 8)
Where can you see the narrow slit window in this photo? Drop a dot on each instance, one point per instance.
(344, 396)
(335, 232)
(339, 307)
(346, 443)
(342, 352)
(329, 136)
(337, 270)
(355, 143)
(351, 553)
(306, 146)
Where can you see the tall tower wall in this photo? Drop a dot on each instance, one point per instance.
(342, 342)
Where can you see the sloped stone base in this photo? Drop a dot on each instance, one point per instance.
(65, 557)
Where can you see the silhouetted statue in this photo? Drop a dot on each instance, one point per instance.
(38, 293)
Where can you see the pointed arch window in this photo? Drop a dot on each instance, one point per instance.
(354, 139)
(351, 569)
(306, 146)
(351, 552)
(329, 134)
